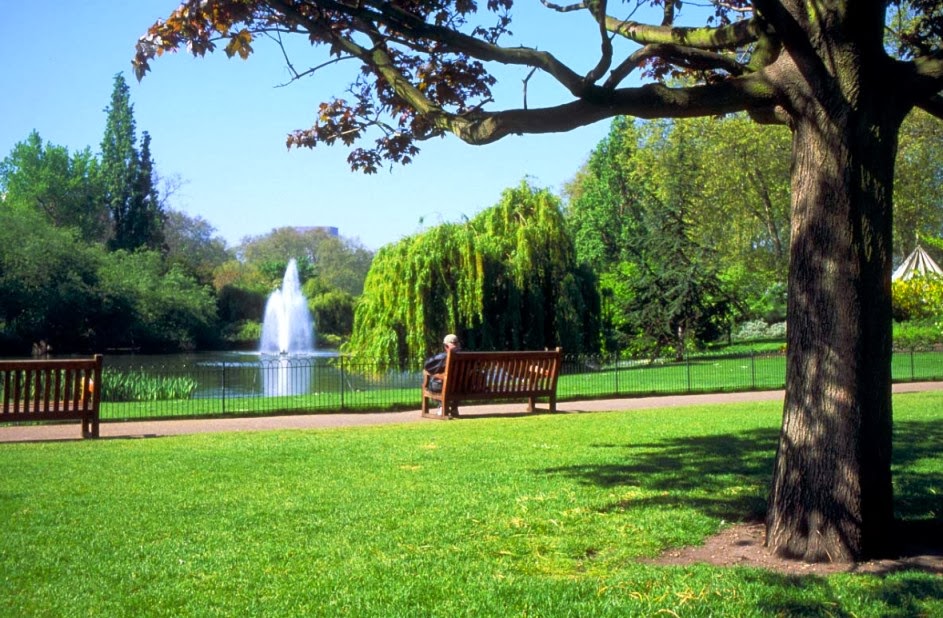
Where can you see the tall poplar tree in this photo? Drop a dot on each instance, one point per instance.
(128, 176)
(146, 217)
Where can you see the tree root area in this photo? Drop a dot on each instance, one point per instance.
(918, 546)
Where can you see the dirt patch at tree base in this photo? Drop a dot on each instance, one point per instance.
(920, 548)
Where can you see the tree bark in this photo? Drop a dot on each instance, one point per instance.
(831, 497)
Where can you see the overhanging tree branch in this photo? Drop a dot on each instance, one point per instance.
(649, 101)
(726, 37)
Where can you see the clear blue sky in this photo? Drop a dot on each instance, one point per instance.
(219, 125)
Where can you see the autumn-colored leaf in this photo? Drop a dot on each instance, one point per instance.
(240, 43)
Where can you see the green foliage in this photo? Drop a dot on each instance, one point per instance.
(336, 263)
(191, 243)
(637, 218)
(918, 183)
(154, 309)
(506, 279)
(48, 283)
(79, 297)
(65, 189)
(243, 333)
(918, 334)
(687, 224)
(237, 304)
(741, 197)
(333, 313)
(918, 298)
(605, 199)
(935, 244)
(762, 299)
(139, 386)
(331, 269)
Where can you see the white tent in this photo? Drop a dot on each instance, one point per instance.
(917, 263)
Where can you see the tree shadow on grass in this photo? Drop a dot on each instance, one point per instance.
(726, 476)
(694, 471)
(918, 470)
(708, 466)
(909, 594)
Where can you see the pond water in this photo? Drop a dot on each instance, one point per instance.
(240, 373)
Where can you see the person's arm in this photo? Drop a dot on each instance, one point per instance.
(436, 364)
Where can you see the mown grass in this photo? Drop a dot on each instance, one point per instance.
(550, 515)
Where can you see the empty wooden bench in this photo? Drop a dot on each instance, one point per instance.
(52, 390)
(490, 376)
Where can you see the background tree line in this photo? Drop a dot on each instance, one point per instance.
(92, 257)
(673, 234)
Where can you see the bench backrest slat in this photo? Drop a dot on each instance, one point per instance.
(497, 373)
(49, 387)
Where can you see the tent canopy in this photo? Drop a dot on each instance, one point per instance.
(917, 263)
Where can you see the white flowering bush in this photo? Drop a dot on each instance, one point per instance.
(754, 330)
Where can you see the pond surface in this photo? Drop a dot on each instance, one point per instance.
(239, 373)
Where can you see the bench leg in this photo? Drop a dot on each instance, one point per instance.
(531, 404)
(435, 413)
(90, 427)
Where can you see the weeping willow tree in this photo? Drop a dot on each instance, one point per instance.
(507, 279)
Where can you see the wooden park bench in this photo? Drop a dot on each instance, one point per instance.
(52, 390)
(490, 376)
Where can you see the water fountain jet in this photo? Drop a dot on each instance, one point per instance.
(287, 326)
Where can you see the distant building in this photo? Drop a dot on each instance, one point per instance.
(330, 230)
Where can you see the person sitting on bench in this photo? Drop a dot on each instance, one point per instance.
(436, 364)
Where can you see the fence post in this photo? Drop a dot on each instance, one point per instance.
(343, 380)
(753, 368)
(615, 366)
(913, 368)
(687, 365)
(223, 397)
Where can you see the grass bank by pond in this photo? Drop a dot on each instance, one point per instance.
(536, 516)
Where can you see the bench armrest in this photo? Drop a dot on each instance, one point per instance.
(426, 376)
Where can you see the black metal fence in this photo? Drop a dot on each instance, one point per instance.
(252, 385)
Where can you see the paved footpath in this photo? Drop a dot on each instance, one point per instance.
(149, 429)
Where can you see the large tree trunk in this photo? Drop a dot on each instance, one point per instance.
(831, 498)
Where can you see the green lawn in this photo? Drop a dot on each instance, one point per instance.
(547, 515)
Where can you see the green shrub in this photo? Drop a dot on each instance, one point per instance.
(919, 298)
(243, 331)
(918, 334)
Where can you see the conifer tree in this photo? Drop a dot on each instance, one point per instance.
(146, 218)
(136, 216)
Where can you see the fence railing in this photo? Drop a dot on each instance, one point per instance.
(261, 386)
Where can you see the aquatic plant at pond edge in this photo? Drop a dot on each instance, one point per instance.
(139, 386)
